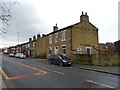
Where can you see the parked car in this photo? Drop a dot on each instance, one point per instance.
(60, 60)
(20, 55)
(16, 55)
(11, 55)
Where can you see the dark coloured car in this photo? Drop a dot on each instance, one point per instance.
(60, 60)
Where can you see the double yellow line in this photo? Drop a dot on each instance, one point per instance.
(3, 73)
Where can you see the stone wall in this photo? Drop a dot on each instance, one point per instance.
(106, 60)
(97, 60)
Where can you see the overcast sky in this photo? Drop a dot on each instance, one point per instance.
(32, 17)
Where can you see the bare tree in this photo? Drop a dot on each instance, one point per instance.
(5, 14)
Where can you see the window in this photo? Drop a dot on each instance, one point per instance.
(88, 50)
(79, 51)
(50, 39)
(63, 50)
(33, 44)
(56, 37)
(63, 35)
(28, 45)
(50, 50)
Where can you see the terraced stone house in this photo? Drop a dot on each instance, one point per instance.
(79, 38)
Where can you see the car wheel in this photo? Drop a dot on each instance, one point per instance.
(71, 65)
(61, 63)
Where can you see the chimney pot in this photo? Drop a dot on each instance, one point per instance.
(38, 36)
(30, 39)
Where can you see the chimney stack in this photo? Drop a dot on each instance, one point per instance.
(30, 39)
(84, 17)
(55, 28)
(43, 35)
(34, 37)
(38, 36)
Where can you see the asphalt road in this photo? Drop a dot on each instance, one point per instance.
(30, 73)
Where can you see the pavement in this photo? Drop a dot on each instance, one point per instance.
(115, 70)
(2, 84)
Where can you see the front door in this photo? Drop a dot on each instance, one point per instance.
(88, 50)
(56, 49)
(30, 53)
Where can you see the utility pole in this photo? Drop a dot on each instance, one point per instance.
(17, 49)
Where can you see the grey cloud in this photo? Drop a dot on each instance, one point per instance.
(119, 20)
(25, 21)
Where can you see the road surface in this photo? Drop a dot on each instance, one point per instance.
(30, 73)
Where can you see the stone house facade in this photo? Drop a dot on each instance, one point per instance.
(79, 38)
(28, 48)
(40, 46)
(31, 46)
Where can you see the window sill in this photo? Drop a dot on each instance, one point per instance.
(64, 54)
(63, 40)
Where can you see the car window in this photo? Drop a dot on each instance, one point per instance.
(51, 56)
(19, 53)
(60, 57)
(63, 57)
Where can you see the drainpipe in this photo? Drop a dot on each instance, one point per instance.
(71, 41)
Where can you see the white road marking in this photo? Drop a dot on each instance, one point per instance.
(100, 84)
(52, 70)
(46, 68)
(58, 72)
